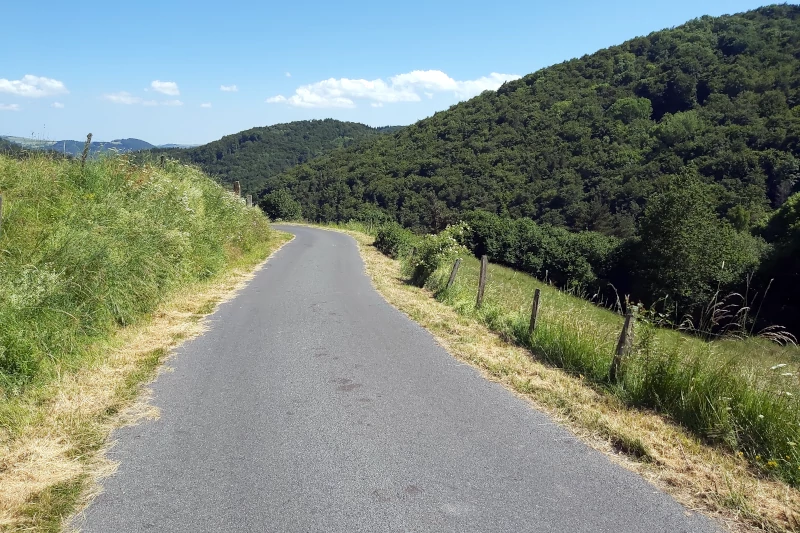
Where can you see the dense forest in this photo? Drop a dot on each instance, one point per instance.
(255, 155)
(664, 157)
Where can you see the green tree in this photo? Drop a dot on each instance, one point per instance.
(280, 205)
(781, 268)
(686, 251)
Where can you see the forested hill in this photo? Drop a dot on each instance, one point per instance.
(252, 156)
(585, 143)
(7, 147)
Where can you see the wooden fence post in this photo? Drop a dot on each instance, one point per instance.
(534, 311)
(237, 189)
(249, 200)
(87, 145)
(453, 273)
(482, 281)
(623, 345)
(163, 161)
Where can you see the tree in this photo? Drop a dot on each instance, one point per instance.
(279, 205)
(687, 252)
(781, 268)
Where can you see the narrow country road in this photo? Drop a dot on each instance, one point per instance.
(312, 405)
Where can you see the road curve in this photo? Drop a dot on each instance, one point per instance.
(313, 405)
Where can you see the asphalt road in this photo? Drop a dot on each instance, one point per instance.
(312, 405)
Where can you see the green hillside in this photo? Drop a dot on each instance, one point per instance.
(255, 155)
(585, 143)
(652, 165)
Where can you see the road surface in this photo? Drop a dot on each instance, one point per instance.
(313, 405)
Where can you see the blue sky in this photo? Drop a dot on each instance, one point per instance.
(157, 70)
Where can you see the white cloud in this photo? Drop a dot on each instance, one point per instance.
(127, 98)
(401, 88)
(229, 88)
(207, 105)
(288, 74)
(376, 104)
(57, 105)
(170, 88)
(33, 86)
(123, 97)
(9, 107)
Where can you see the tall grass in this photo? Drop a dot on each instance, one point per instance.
(741, 394)
(86, 248)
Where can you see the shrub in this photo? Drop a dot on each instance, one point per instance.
(280, 205)
(394, 240)
(435, 251)
(566, 258)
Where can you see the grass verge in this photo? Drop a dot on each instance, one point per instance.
(104, 268)
(706, 478)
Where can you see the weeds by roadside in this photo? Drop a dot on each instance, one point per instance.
(103, 269)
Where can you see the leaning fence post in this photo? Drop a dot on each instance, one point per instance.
(453, 273)
(482, 281)
(623, 345)
(534, 311)
(237, 189)
(249, 200)
(163, 161)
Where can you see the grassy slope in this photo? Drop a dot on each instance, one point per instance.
(572, 334)
(103, 270)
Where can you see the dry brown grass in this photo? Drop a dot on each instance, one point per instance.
(62, 436)
(703, 478)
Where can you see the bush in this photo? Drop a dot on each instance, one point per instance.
(280, 205)
(434, 251)
(394, 240)
(565, 258)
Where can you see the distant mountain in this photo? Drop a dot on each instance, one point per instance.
(177, 145)
(76, 147)
(253, 156)
(7, 147)
(118, 145)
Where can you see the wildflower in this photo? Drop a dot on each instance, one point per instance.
(776, 367)
(772, 464)
(790, 443)
(761, 416)
(758, 457)
(789, 374)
